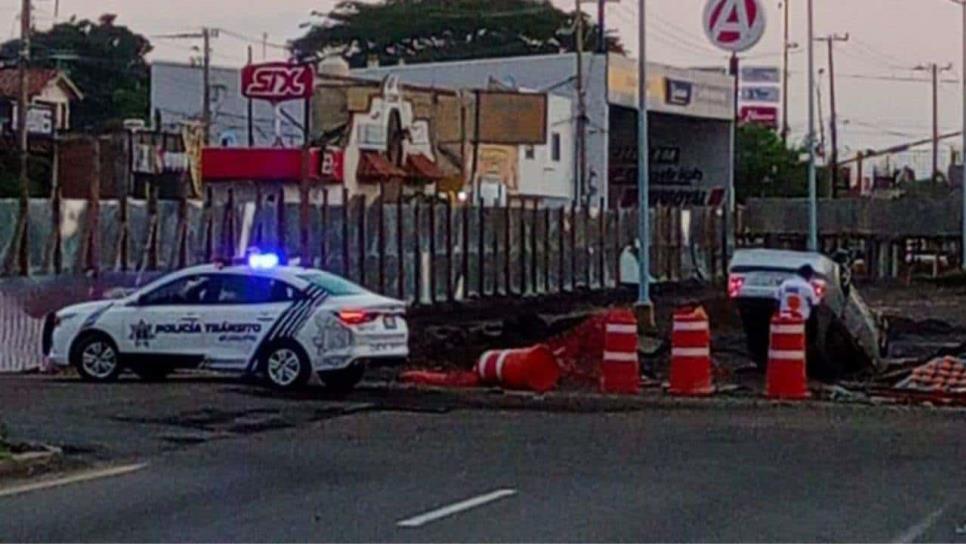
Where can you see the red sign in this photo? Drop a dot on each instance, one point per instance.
(760, 115)
(257, 164)
(333, 164)
(734, 25)
(278, 81)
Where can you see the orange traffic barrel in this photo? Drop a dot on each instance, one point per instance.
(620, 370)
(786, 375)
(530, 369)
(691, 353)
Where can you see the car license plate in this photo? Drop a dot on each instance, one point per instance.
(767, 279)
(389, 321)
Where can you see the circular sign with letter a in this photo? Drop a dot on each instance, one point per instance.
(734, 25)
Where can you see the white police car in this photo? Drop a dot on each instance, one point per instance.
(257, 318)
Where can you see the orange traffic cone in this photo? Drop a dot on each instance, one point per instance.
(620, 371)
(691, 353)
(531, 369)
(786, 376)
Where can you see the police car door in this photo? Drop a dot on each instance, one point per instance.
(168, 320)
(242, 313)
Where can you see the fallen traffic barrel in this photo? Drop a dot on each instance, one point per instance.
(529, 369)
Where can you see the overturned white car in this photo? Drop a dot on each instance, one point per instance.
(844, 336)
(256, 318)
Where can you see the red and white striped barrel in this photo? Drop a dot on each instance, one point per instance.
(690, 373)
(530, 369)
(786, 375)
(620, 370)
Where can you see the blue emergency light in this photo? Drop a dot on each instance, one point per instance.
(263, 261)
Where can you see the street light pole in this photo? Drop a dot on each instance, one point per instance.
(643, 154)
(812, 185)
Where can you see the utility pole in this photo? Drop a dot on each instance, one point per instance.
(251, 110)
(812, 185)
(962, 251)
(601, 27)
(821, 114)
(785, 45)
(205, 36)
(206, 63)
(834, 154)
(23, 105)
(581, 140)
(934, 69)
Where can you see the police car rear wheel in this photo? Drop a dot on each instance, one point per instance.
(286, 367)
(96, 359)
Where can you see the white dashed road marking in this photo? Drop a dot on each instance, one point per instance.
(456, 508)
(913, 533)
(72, 479)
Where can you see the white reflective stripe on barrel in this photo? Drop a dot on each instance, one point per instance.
(776, 355)
(484, 361)
(622, 329)
(788, 329)
(691, 352)
(620, 357)
(691, 325)
(499, 364)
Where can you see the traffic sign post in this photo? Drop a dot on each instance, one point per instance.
(734, 26)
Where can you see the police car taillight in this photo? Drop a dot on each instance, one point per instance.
(356, 317)
(735, 283)
(821, 288)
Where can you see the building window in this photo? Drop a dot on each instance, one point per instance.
(529, 152)
(555, 147)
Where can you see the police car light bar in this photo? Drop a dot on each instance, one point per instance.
(262, 261)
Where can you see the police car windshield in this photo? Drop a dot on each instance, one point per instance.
(334, 285)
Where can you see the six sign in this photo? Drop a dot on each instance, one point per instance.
(734, 25)
(278, 81)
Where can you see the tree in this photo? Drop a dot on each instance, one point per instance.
(105, 61)
(416, 31)
(766, 167)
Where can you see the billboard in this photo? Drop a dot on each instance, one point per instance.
(278, 81)
(760, 115)
(770, 95)
(512, 118)
(761, 74)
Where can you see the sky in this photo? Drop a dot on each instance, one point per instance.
(888, 38)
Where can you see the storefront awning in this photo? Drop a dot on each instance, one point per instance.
(421, 167)
(373, 165)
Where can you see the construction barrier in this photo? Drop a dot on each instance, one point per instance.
(786, 377)
(691, 353)
(620, 371)
(531, 369)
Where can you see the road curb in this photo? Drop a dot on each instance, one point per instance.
(586, 402)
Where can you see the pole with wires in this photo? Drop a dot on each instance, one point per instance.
(812, 182)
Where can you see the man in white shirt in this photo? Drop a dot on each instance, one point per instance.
(797, 295)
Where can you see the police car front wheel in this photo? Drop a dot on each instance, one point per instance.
(96, 358)
(286, 366)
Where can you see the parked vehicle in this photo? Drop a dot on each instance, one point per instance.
(258, 318)
(844, 336)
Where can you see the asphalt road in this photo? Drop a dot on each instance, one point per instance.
(226, 463)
